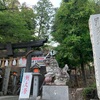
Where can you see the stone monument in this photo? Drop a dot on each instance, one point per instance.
(94, 25)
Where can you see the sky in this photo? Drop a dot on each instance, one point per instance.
(56, 3)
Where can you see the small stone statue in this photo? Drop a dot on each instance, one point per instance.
(59, 75)
(50, 73)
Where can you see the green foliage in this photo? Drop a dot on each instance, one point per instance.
(13, 28)
(14, 4)
(9, 5)
(90, 92)
(44, 17)
(96, 6)
(16, 25)
(71, 31)
(29, 17)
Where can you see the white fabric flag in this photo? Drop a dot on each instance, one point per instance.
(14, 62)
(6, 63)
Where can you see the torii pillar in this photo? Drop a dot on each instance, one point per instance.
(10, 53)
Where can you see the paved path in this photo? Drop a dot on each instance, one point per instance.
(15, 98)
(8, 97)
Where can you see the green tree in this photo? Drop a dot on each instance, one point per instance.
(29, 17)
(2, 5)
(13, 28)
(9, 5)
(71, 31)
(14, 4)
(44, 15)
(16, 24)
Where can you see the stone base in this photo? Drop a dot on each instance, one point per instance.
(55, 93)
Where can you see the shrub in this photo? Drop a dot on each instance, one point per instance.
(90, 92)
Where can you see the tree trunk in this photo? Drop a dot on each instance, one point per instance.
(83, 75)
(6, 80)
(90, 69)
(83, 70)
(76, 79)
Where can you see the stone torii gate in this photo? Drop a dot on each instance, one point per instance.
(9, 52)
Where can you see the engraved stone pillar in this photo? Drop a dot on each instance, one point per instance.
(94, 24)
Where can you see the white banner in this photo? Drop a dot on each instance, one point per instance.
(25, 86)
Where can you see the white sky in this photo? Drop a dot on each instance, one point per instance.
(56, 3)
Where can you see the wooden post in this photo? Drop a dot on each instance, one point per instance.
(28, 63)
(6, 78)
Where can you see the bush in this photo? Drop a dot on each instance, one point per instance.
(90, 92)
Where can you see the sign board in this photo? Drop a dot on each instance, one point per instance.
(22, 62)
(39, 60)
(25, 86)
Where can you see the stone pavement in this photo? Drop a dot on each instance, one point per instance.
(16, 98)
(8, 97)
